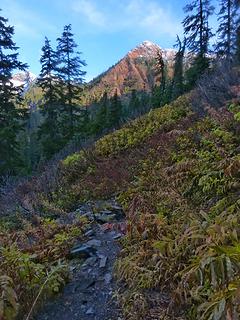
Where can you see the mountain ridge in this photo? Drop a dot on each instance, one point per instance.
(135, 71)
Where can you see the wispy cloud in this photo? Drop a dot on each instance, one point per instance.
(90, 11)
(151, 17)
(137, 16)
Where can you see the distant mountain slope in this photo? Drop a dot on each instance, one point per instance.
(134, 71)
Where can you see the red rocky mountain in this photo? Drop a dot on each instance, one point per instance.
(134, 71)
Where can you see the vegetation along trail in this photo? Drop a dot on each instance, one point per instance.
(120, 192)
(90, 291)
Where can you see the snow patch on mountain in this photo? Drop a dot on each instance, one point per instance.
(148, 49)
(23, 78)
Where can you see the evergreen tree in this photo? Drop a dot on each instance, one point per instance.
(71, 74)
(238, 45)
(198, 34)
(11, 113)
(101, 118)
(161, 77)
(134, 104)
(196, 26)
(177, 82)
(156, 97)
(49, 131)
(237, 5)
(160, 69)
(227, 29)
(145, 101)
(166, 94)
(114, 111)
(84, 127)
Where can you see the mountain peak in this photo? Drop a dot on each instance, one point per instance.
(145, 49)
(23, 78)
(148, 43)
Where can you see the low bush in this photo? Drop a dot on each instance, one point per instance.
(32, 263)
(183, 233)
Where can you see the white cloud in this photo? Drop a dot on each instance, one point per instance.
(151, 17)
(148, 17)
(90, 11)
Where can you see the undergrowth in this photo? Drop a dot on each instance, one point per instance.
(184, 228)
(108, 167)
(177, 177)
(33, 263)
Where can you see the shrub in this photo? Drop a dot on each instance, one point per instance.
(183, 229)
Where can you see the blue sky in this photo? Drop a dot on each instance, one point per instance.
(105, 30)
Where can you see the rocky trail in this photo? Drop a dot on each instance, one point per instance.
(89, 295)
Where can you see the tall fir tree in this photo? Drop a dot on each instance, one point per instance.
(49, 134)
(196, 26)
(238, 45)
(178, 76)
(226, 32)
(84, 128)
(198, 34)
(11, 113)
(114, 111)
(101, 117)
(134, 104)
(72, 76)
(237, 5)
(161, 79)
(160, 69)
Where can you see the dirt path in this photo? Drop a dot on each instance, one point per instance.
(90, 293)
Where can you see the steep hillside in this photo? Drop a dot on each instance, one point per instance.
(177, 176)
(134, 71)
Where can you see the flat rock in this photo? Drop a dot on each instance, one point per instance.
(82, 251)
(94, 243)
(89, 262)
(90, 311)
(117, 236)
(106, 212)
(89, 233)
(83, 284)
(103, 262)
(103, 218)
(84, 208)
(116, 207)
(89, 216)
